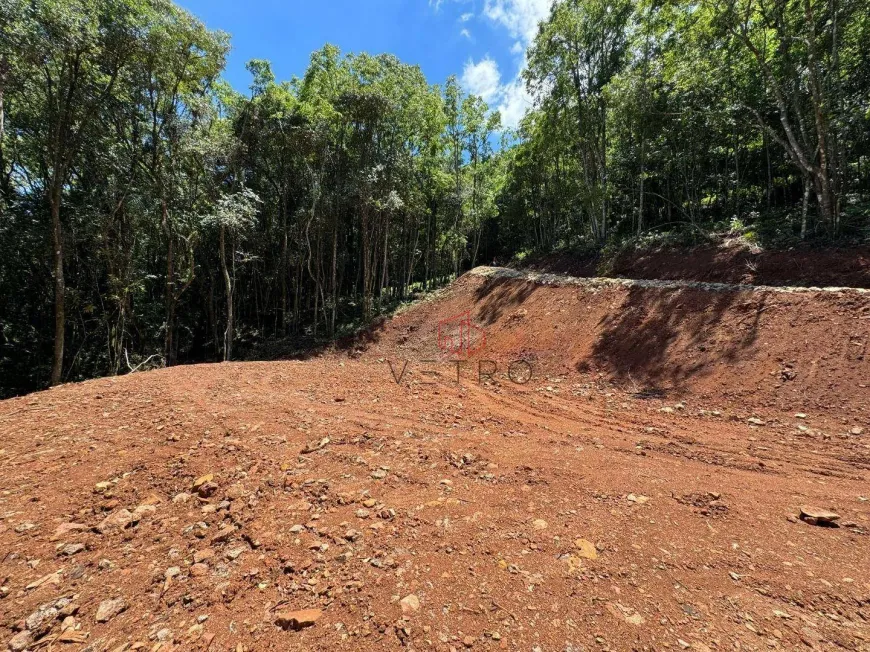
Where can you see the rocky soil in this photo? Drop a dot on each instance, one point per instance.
(366, 499)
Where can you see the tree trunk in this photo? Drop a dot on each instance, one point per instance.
(285, 267)
(824, 173)
(59, 282)
(334, 278)
(168, 341)
(366, 265)
(3, 68)
(806, 205)
(228, 334)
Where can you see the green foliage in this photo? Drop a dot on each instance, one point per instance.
(681, 116)
(341, 192)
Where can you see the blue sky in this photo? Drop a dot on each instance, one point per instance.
(481, 41)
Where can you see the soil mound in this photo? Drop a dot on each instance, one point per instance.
(764, 347)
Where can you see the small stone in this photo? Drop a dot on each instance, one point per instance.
(640, 500)
(201, 480)
(115, 521)
(201, 555)
(143, 510)
(857, 431)
(102, 487)
(585, 549)
(362, 513)
(635, 619)
(235, 492)
(379, 474)
(207, 490)
(182, 497)
(371, 502)
(65, 528)
(152, 499)
(800, 415)
(223, 534)
(296, 620)
(468, 641)
(198, 570)
(51, 578)
(235, 553)
(539, 524)
(165, 635)
(315, 445)
(108, 609)
(72, 548)
(21, 641)
(755, 421)
(818, 516)
(40, 621)
(410, 604)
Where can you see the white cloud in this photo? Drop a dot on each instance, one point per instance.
(511, 99)
(482, 78)
(514, 102)
(520, 17)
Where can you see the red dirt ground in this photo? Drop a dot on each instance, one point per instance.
(657, 434)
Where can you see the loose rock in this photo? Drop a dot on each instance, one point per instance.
(21, 641)
(296, 620)
(410, 604)
(115, 521)
(108, 609)
(818, 516)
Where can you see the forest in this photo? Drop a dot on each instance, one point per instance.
(151, 214)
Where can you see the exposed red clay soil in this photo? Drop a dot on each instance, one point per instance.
(844, 267)
(641, 491)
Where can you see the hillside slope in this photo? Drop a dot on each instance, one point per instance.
(782, 348)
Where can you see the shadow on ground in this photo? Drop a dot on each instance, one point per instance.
(664, 339)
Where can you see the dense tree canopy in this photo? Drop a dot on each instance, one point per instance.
(681, 115)
(151, 214)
